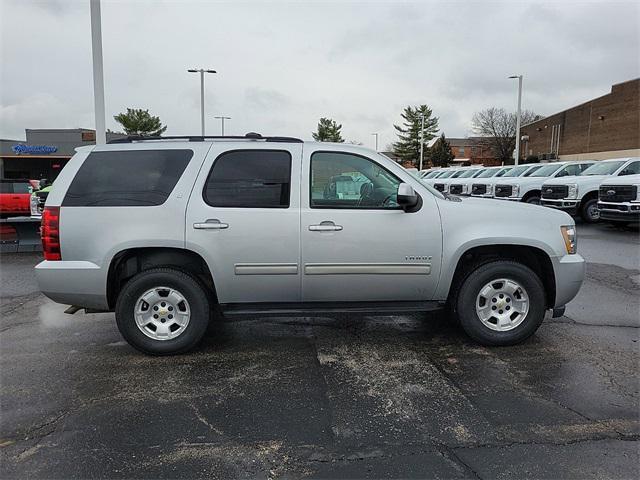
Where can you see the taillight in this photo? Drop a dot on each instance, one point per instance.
(50, 233)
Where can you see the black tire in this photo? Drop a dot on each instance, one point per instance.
(533, 199)
(586, 211)
(477, 279)
(192, 290)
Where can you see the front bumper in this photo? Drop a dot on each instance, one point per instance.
(569, 271)
(623, 211)
(569, 206)
(73, 283)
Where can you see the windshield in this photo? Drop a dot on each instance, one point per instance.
(470, 173)
(517, 171)
(502, 172)
(458, 174)
(489, 172)
(534, 169)
(447, 174)
(432, 174)
(603, 168)
(547, 170)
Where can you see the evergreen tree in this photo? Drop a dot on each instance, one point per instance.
(408, 145)
(140, 122)
(440, 154)
(328, 131)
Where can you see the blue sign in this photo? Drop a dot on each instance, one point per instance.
(34, 149)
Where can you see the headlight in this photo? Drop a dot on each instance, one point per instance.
(572, 191)
(489, 189)
(515, 190)
(570, 238)
(637, 193)
(464, 188)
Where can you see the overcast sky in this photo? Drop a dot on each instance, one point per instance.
(283, 65)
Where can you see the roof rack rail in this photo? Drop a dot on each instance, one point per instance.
(201, 138)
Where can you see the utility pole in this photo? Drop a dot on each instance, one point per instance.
(98, 77)
(201, 71)
(421, 139)
(376, 135)
(222, 119)
(517, 153)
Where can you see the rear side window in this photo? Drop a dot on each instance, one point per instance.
(127, 178)
(250, 179)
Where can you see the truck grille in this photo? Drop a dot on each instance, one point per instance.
(618, 193)
(439, 187)
(503, 190)
(455, 189)
(555, 192)
(479, 189)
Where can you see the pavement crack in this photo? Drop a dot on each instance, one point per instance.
(204, 421)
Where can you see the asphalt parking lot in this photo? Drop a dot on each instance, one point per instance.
(328, 397)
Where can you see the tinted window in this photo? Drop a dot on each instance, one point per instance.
(21, 188)
(127, 178)
(632, 169)
(250, 179)
(6, 187)
(345, 180)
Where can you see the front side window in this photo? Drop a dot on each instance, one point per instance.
(139, 178)
(345, 180)
(250, 179)
(632, 169)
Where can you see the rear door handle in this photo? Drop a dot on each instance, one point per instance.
(326, 226)
(211, 224)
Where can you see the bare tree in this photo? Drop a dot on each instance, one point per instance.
(500, 128)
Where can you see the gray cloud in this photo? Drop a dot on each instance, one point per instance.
(283, 65)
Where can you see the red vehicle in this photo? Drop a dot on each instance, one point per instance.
(15, 197)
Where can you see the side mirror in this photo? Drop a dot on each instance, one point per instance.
(407, 198)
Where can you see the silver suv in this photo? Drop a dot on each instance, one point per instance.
(166, 231)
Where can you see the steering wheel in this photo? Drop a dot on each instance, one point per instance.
(386, 202)
(366, 190)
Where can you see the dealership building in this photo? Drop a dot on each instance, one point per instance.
(44, 152)
(605, 127)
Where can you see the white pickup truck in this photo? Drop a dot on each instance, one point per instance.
(527, 188)
(579, 194)
(619, 199)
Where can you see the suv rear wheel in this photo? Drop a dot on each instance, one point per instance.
(501, 303)
(162, 311)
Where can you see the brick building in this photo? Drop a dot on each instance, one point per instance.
(470, 151)
(605, 127)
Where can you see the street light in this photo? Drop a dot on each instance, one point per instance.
(222, 119)
(376, 135)
(519, 77)
(421, 139)
(201, 71)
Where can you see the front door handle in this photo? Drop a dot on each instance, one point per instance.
(326, 226)
(211, 224)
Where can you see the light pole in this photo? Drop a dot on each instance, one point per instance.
(421, 138)
(222, 119)
(376, 135)
(519, 77)
(201, 71)
(98, 78)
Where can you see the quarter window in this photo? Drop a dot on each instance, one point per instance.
(127, 178)
(345, 180)
(250, 179)
(632, 169)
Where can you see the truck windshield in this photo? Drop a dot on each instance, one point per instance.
(432, 174)
(547, 170)
(447, 174)
(489, 172)
(470, 173)
(534, 169)
(603, 168)
(517, 171)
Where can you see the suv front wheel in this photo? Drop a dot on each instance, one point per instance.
(501, 303)
(162, 311)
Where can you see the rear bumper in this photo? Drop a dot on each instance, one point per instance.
(73, 283)
(569, 273)
(569, 206)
